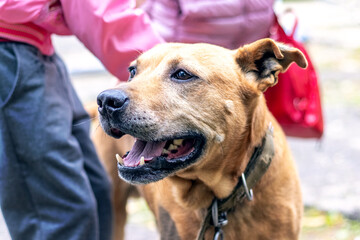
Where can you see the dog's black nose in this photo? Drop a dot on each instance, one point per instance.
(112, 100)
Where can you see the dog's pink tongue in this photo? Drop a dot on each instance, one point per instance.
(148, 150)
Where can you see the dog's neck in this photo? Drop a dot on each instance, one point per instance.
(259, 163)
(221, 179)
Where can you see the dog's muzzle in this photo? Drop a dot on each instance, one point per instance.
(152, 157)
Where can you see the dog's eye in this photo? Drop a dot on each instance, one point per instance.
(132, 71)
(182, 75)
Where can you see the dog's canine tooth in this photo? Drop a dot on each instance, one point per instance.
(178, 141)
(119, 159)
(172, 147)
(142, 161)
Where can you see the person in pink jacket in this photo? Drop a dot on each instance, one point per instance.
(52, 185)
(228, 23)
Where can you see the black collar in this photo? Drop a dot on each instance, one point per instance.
(260, 160)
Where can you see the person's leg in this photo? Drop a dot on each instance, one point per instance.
(45, 192)
(99, 180)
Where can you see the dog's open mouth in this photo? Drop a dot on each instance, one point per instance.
(150, 161)
(144, 152)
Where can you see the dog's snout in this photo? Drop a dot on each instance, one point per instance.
(112, 100)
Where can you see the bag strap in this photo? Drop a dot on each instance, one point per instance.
(279, 26)
(289, 10)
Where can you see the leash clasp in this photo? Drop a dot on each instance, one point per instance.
(219, 220)
(219, 234)
(249, 193)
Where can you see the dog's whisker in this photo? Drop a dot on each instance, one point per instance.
(82, 122)
(137, 50)
(99, 127)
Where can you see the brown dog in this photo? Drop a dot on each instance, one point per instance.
(200, 121)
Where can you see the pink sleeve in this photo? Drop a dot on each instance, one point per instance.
(113, 30)
(44, 13)
(13, 11)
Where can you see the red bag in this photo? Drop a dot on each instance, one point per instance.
(295, 99)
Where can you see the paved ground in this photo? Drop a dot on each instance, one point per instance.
(329, 169)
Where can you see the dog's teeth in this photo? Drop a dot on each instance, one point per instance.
(119, 159)
(164, 151)
(178, 142)
(142, 161)
(172, 147)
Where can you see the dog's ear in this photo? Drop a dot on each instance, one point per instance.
(264, 59)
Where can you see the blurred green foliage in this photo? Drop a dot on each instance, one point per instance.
(328, 225)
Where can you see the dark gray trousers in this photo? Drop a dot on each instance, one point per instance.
(52, 185)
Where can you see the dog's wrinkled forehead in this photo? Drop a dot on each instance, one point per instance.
(200, 50)
(183, 77)
(200, 59)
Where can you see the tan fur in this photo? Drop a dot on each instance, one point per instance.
(107, 147)
(229, 108)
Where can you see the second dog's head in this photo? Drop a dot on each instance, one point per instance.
(182, 101)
